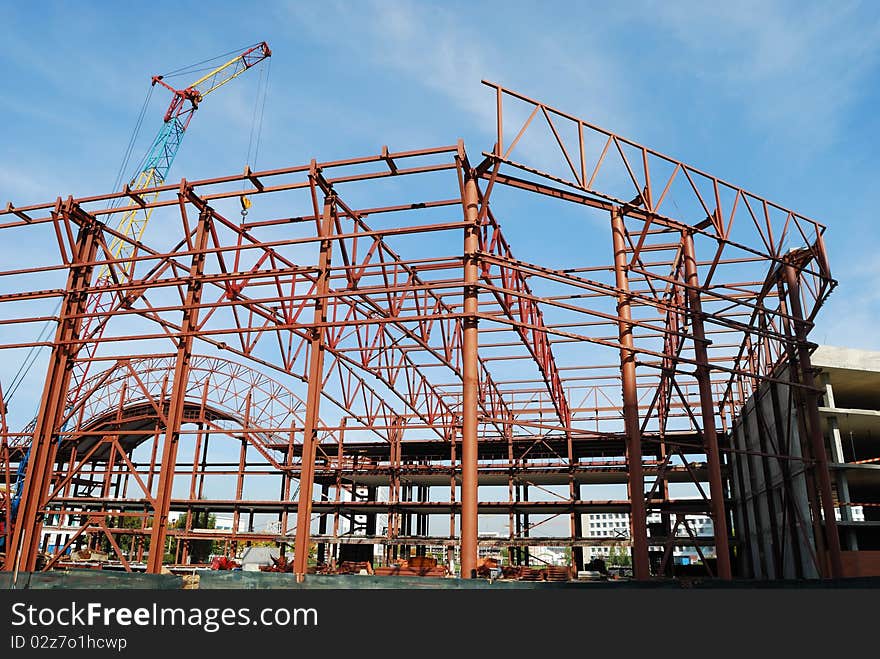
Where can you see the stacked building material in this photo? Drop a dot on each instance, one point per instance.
(355, 567)
(415, 566)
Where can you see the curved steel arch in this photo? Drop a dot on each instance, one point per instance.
(127, 404)
(701, 308)
(230, 390)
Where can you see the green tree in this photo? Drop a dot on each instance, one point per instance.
(619, 557)
(127, 542)
(199, 550)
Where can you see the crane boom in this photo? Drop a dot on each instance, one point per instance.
(151, 173)
(165, 146)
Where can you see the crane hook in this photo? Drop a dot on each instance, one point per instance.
(245, 205)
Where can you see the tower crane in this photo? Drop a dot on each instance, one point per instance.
(131, 225)
(152, 173)
(184, 103)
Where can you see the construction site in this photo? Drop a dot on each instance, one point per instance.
(347, 364)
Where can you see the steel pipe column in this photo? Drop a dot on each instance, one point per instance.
(636, 474)
(707, 407)
(470, 383)
(313, 399)
(26, 533)
(817, 441)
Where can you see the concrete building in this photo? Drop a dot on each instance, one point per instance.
(771, 518)
(548, 556)
(611, 530)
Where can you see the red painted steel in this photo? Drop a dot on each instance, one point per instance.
(424, 365)
(470, 384)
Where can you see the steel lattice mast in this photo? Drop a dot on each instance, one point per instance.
(156, 165)
(165, 146)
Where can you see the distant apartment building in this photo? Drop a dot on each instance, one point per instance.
(611, 533)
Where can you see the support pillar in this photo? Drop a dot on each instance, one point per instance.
(178, 392)
(313, 398)
(843, 496)
(575, 517)
(239, 481)
(577, 551)
(707, 408)
(340, 445)
(322, 524)
(817, 441)
(791, 500)
(511, 488)
(370, 523)
(26, 532)
(525, 523)
(636, 473)
(519, 524)
(470, 383)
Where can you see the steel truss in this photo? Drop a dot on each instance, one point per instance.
(419, 374)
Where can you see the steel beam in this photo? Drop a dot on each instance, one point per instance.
(401, 321)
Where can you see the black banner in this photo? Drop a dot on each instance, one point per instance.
(414, 621)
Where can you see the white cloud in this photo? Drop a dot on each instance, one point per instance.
(426, 43)
(793, 67)
(12, 180)
(849, 317)
(448, 52)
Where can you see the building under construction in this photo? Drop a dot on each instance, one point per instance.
(362, 359)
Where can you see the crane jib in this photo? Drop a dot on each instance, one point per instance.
(152, 171)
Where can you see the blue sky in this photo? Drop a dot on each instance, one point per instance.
(779, 97)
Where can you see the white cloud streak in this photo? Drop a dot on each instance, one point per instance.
(794, 68)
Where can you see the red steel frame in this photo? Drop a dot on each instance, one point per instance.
(403, 364)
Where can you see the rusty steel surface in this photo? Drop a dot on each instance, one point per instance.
(368, 347)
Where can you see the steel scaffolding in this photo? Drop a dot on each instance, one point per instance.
(365, 348)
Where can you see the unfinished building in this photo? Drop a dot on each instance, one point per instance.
(771, 501)
(407, 348)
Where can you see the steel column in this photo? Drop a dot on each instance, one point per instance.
(575, 518)
(707, 407)
(322, 524)
(26, 533)
(313, 399)
(817, 441)
(470, 383)
(636, 474)
(511, 469)
(525, 522)
(178, 392)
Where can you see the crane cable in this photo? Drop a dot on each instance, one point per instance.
(132, 140)
(262, 112)
(190, 68)
(29, 359)
(256, 132)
